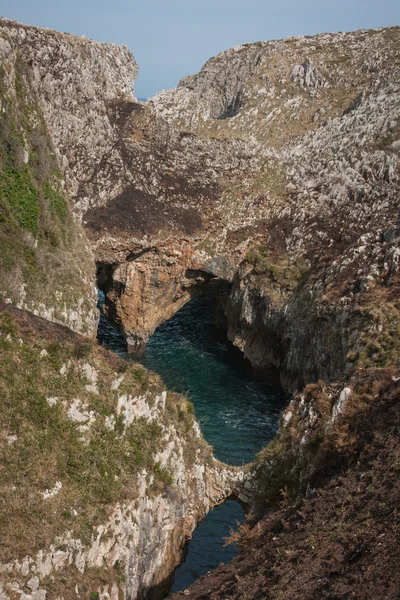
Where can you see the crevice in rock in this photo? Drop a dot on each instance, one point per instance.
(234, 106)
(231, 354)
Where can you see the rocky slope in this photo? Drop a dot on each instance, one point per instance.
(326, 109)
(319, 176)
(277, 90)
(104, 474)
(331, 541)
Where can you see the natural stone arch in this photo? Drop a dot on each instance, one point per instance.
(147, 286)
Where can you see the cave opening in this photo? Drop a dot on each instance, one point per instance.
(238, 413)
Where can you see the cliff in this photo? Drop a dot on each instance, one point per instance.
(316, 296)
(321, 269)
(297, 224)
(307, 207)
(332, 540)
(104, 474)
(45, 260)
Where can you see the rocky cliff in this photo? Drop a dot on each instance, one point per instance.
(293, 203)
(331, 540)
(45, 260)
(317, 296)
(104, 474)
(325, 110)
(310, 233)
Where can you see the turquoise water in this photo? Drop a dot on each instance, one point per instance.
(238, 414)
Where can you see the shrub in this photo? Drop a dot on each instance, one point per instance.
(22, 197)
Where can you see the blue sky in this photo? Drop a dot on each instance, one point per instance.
(173, 38)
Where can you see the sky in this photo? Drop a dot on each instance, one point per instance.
(174, 38)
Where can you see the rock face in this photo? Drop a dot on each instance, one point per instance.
(304, 298)
(81, 87)
(132, 177)
(45, 260)
(282, 83)
(307, 75)
(156, 282)
(313, 190)
(72, 102)
(122, 477)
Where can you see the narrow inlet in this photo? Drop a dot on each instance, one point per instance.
(237, 413)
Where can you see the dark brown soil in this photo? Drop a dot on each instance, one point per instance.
(121, 111)
(343, 541)
(137, 212)
(28, 321)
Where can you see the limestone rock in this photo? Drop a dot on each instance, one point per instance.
(308, 76)
(33, 583)
(340, 404)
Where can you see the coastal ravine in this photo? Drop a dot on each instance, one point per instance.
(237, 413)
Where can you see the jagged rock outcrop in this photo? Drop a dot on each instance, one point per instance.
(307, 75)
(156, 281)
(104, 474)
(132, 177)
(312, 321)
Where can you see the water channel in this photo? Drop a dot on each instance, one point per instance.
(237, 413)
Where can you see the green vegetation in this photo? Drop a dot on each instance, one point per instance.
(58, 204)
(97, 464)
(276, 270)
(19, 192)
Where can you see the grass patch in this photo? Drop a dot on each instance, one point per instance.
(278, 273)
(20, 198)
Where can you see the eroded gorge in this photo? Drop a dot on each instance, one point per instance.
(266, 184)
